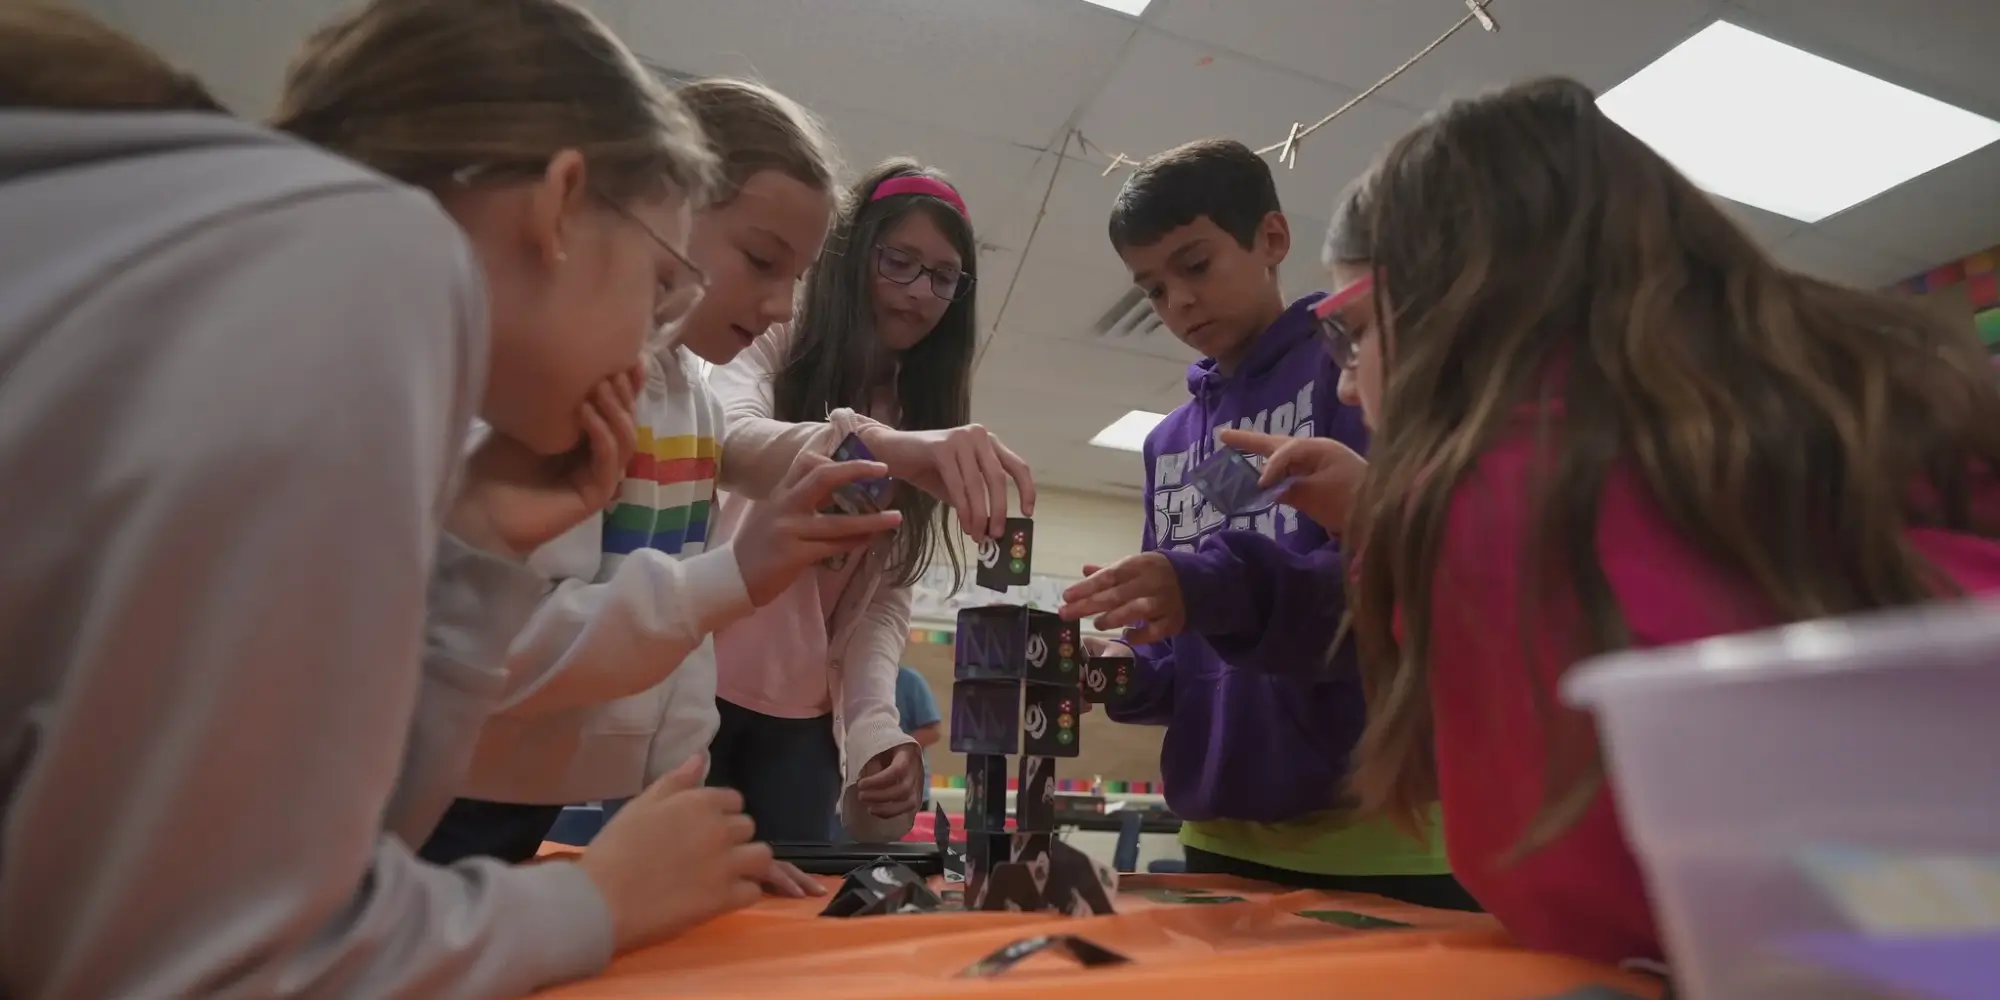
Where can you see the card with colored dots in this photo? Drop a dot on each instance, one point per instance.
(1006, 561)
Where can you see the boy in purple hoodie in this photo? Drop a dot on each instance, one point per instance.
(1232, 619)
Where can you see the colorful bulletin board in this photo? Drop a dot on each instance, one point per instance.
(1979, 274)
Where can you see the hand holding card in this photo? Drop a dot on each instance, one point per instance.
(1319, 476)
(1231, 483)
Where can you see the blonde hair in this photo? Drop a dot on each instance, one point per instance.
(54, 57)
(753, 128)
(422, 90)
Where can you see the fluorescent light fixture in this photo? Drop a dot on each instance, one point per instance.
(1132, 7)
(1128, 433)
(1760, 122)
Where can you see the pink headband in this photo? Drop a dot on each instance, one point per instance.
(921, 185)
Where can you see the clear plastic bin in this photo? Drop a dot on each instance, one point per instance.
(1733, 756)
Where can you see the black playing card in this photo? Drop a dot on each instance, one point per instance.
(1006, 562)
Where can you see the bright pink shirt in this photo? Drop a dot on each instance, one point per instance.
(1582, 894)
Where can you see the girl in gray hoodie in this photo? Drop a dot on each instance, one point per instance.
(253, 605)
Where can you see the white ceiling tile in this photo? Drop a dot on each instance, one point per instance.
(1945, 214)
(1012, 69)
(1357, 42)
(1168, 91)
(1943, 48)
(1825, 257)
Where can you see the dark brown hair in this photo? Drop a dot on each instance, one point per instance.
(423, 89)
(1219, 178)
(1547, 273)
(57, 58)
(837, 359)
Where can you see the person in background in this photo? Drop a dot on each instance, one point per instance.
(882, 348)
(1231, 618)
(917, 709)
(253, 570)
(613, 679)
(1602, 414)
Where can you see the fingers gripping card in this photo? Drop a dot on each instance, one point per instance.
(1228, 481)
(868, 495)
(1005, 562)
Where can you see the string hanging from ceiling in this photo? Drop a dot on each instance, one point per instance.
(1288, 148)
(1288, 154)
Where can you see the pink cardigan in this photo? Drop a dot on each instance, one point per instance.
(870, 623)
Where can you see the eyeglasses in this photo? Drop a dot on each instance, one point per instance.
(1343, 342)
(680, 294)
(674, 298)
(903, 268)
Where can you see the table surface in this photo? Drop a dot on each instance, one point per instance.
(1186, 936)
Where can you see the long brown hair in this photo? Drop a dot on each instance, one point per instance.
(57, 58)
(424, 89)
(1547, 273)
(837, 360)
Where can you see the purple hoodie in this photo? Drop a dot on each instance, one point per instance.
(1259, 720)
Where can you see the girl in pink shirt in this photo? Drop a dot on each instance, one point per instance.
(1604, 419)
(882, 347)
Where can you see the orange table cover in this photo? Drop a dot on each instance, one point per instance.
(1187, 936)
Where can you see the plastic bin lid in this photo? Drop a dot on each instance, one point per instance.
(1948, 633)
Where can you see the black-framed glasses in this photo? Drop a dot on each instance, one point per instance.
(1342, 342)
(903, 268)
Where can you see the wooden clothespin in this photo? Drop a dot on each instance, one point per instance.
(1289, 155)
(1478, 9)
(1118, 160)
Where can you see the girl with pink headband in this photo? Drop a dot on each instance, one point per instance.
(881, 347)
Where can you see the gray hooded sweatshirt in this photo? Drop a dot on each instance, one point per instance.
(241, 668)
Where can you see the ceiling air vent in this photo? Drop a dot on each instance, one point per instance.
(1130, 316)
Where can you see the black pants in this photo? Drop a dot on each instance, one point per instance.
(504, 830)
(787, 769)
(1441, 892)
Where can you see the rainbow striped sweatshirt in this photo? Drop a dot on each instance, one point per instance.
(612, 682)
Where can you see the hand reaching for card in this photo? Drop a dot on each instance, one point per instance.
(1329, 473)
(789, 532)
(514, 501)
(1139, 593)
(966, 467)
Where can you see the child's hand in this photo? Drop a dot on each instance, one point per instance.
(1139, 593)
(893, 782)
(787, 533)
(785, 879)
(515, 501)
(966, 467)
(1329, 473)
(675, 856)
